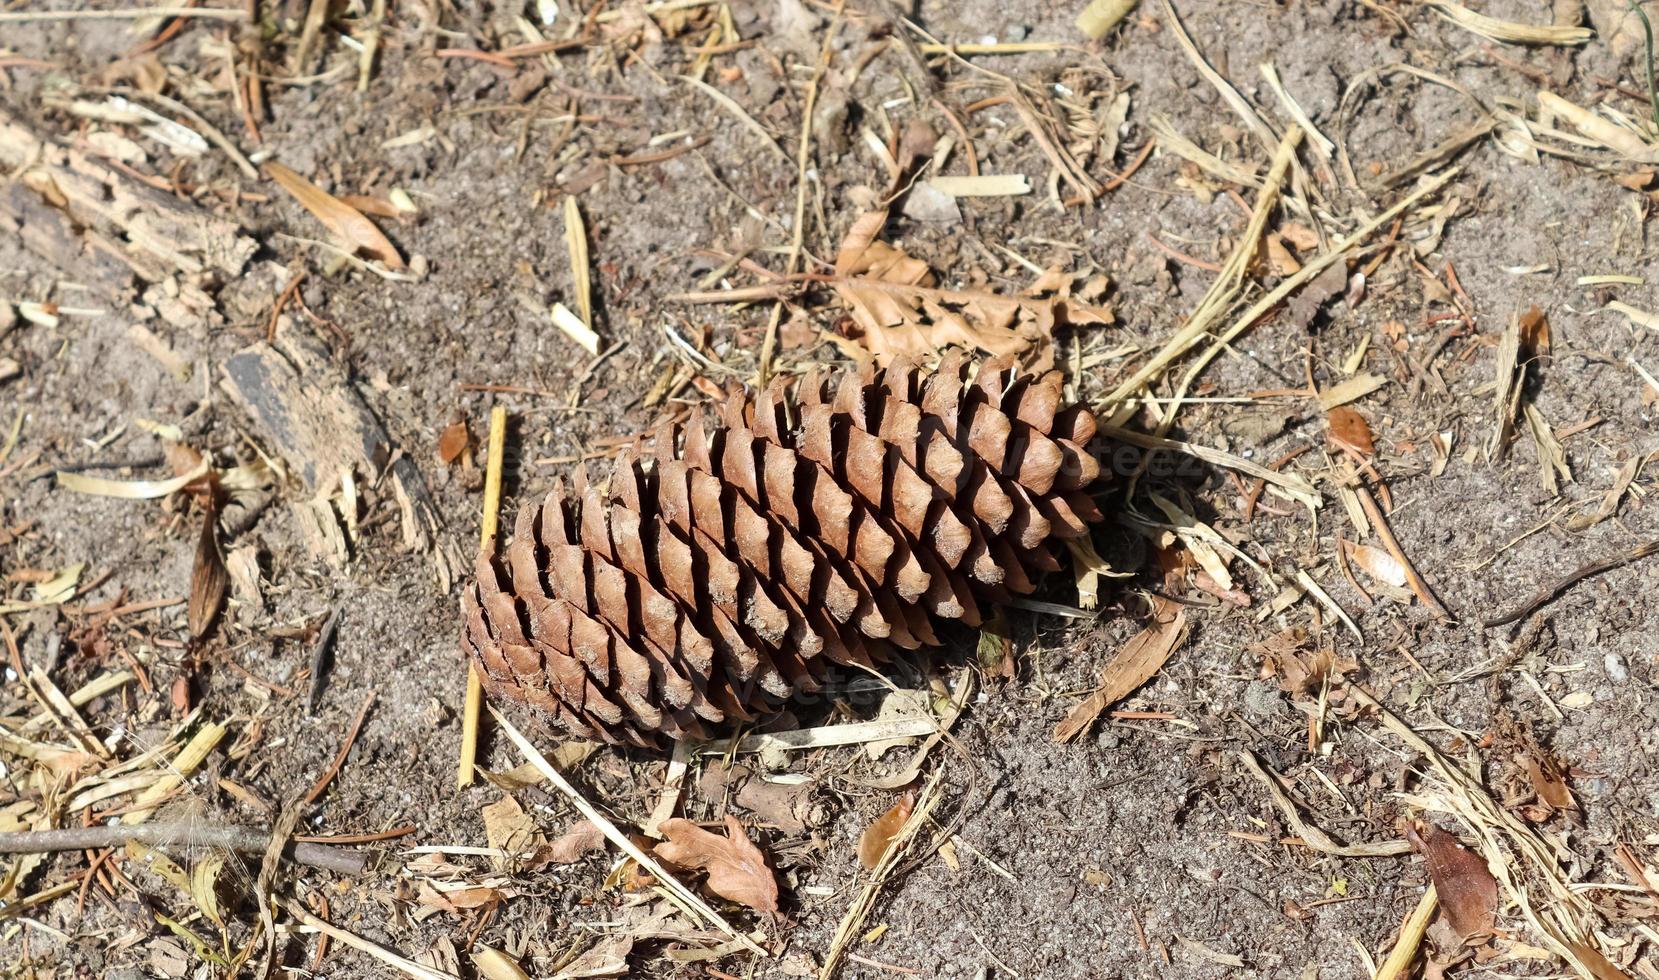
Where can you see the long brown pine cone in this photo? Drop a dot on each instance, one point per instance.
(707, 587)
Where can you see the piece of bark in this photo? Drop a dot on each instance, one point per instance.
(307, 408)
(78, 213)
(316, 420)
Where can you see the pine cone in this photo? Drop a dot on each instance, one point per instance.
(707, 587)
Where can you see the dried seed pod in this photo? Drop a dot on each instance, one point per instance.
(717, 573)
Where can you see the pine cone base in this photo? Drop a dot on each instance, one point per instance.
(716, 574)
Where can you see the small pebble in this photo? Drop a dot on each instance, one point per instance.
(1617, 670)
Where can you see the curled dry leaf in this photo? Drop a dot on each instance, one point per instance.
(1347, 429)
(208, 579)
(878, 837)
(346, 222)
(736, 868)
(1535, 332)
(1300, 670)
(1468, 892)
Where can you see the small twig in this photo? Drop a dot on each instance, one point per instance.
(189, 833)
(327, 777)
(133, 13)
(1573, 578)
(282, 301)
(926, 802)
(1385, 534)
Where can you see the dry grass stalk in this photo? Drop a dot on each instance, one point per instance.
(682, 895)
(1223, 291)
(1292, 486)
(472, 707)
(1100, 16)
(1508, 31)
(130, 13)
(1412, 930)
(1270, 75)
(1625, 142)
(396, 961)
(190, 757)
(729, 104)
(826, 736)
(926, 801)
(1515, 853)
(1173, 141)
(1311, 835)
(1241, 106)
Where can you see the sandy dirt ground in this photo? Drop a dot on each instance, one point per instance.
(1152, 845)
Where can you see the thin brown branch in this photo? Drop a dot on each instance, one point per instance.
(191, 833)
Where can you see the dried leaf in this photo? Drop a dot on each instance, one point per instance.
(1544, 772)
(1378, 564)
(736, 867)
(1347, 429)
(208, 579)
(346, 222)
(1299, 670)
(1279, 258)
(608, 959)
(1627, 143)
(786, 806)
(879, 835)
(1535, 332)
(583, 838)
(456, 900)
(130, 489)
(1305, 305)
(204, 885)
(1351, 390)
(1139, 659)
(1468, 892)
(899, 313)
(508, 828)
(453, 442)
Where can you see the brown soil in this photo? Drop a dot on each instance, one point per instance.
(1145, 849)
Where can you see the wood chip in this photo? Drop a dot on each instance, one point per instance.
(1140, 658)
